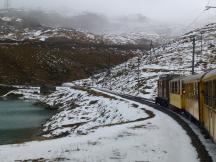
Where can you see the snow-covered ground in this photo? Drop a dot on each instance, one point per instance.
(19, 29)
(155, 137)
(95, 126)
(133, 37)
(172, 57)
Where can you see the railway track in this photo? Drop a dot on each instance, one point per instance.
(203, 154)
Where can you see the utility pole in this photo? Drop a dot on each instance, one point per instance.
(109, 70)
(138, 74)
(109, 64)
(194, 45)
(201, 43)
(151, 45)
(125, 65)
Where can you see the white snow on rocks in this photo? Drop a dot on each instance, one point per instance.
(81, 110)
(8, 19)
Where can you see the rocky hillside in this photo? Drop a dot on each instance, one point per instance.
(18, 27)
(55, 62)
(172, 57)
(135, 29)
(31, 53)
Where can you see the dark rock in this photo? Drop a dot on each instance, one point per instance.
(4, 89)
(46, 90)
(14, 96)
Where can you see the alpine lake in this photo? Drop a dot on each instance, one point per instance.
(21, 121)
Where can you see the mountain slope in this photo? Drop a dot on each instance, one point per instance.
(173, 57)
(31, 53)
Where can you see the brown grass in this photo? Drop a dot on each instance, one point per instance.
(45, 63)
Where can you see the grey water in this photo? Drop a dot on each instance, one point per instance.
(20, 121)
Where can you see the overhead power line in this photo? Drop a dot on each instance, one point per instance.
(209, 7)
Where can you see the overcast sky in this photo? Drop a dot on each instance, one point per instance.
(164, 10)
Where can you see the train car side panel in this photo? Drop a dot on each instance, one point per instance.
(176, 96)
(206, 118)
(192, 99)
(209, 107)
(176, 100)
(164, 89)
(193, 105)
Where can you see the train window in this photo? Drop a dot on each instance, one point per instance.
(183, 89)
(178, 87)
(192, 90)
(186, 89)
(171, 87)
(208, 93)
(174, 87)
(192, 86)
(196, 90)
(189, 90)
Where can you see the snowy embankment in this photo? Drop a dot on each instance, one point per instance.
(80, 110)
(83, 110)
(109, 131)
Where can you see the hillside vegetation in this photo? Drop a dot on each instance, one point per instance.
(31, 53)
(43, 63)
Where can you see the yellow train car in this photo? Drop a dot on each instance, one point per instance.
(209, 103)
(195, 94)
(163, 89)
(176, 93)
(192, 86)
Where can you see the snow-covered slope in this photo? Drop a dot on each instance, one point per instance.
(81, 110)
(18, 27)
(102, 127)
(31, 53)
(172, 57)
(133, 37)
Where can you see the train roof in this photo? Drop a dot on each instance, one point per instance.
(193, 78)
(210, 75)
(177, 78)
(168, 76)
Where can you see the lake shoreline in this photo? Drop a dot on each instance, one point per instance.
(32, 134)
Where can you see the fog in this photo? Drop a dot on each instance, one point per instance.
(169, 17)
(162, 10)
